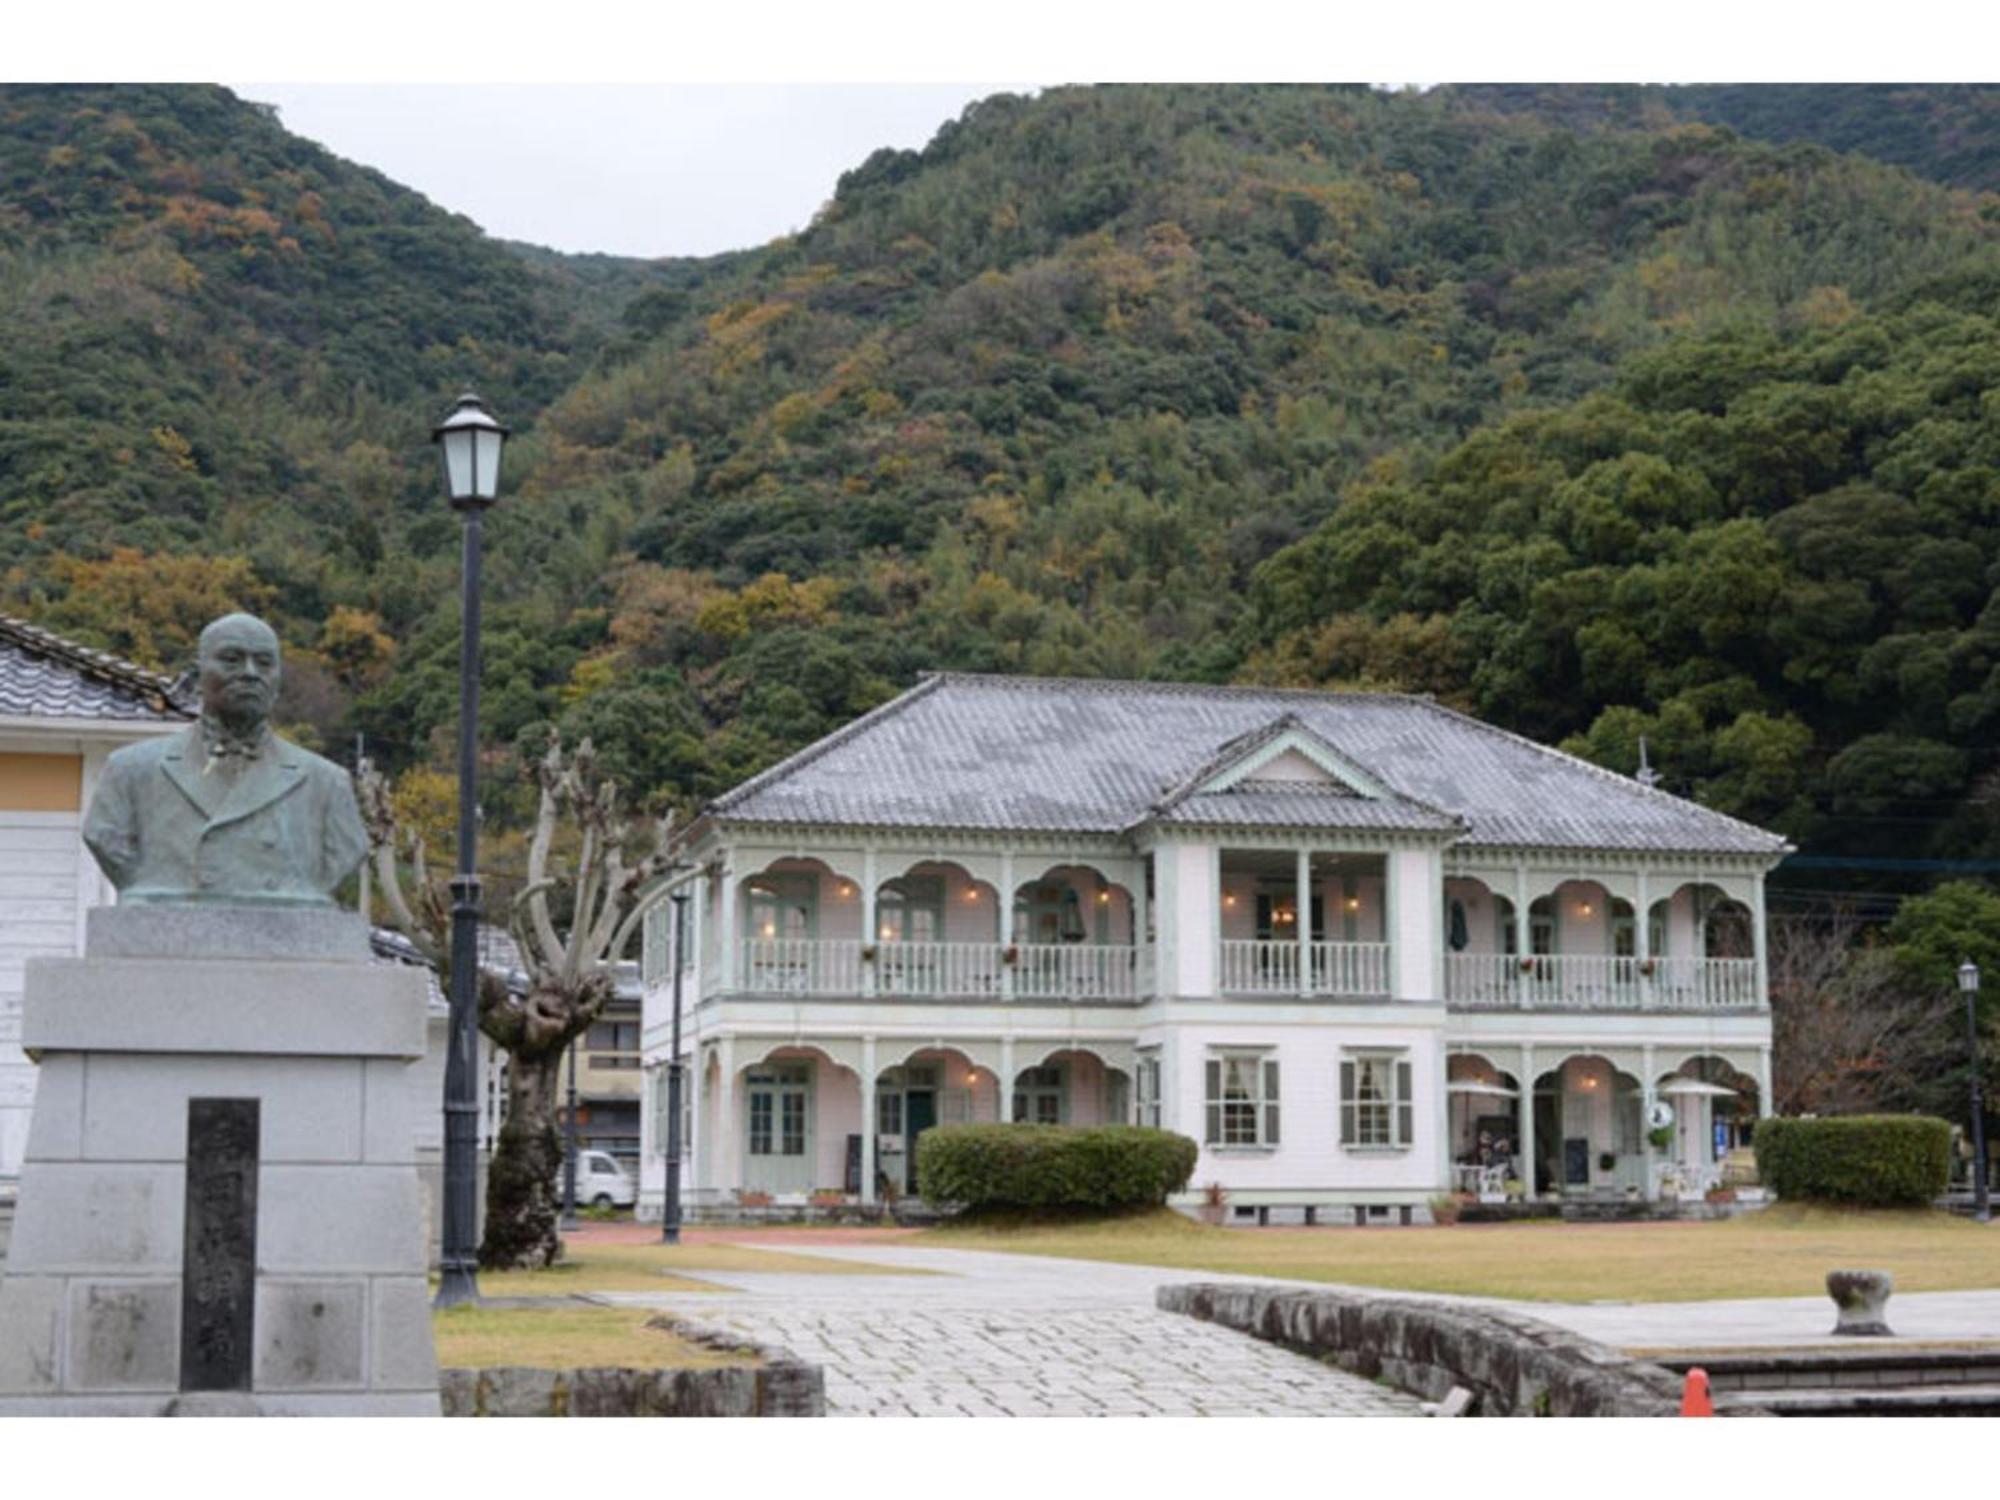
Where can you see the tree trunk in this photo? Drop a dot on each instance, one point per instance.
(523, 1190)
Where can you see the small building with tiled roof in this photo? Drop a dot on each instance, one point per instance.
(1362, 947)
(63, 708)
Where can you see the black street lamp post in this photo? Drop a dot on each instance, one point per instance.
(670, 1208)
(470, 439)
(1968, 981)
(569, 1143)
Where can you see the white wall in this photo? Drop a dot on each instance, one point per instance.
(1416, 881)
(1309, 1154)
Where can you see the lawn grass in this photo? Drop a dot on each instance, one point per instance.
(655, 1267)
(561, 1338)
(1782, 1251)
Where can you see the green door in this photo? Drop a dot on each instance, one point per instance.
(919, 1114)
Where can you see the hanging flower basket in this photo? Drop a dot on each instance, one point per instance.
(1527, 966)
(868, 953)
(1012, 955)
(1649, 967)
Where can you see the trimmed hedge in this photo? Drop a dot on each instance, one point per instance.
(1879, 1160)
(1052, 1166)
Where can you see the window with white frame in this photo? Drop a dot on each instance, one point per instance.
(1146, 1091)
(1376, 1108)
(1242, 1099)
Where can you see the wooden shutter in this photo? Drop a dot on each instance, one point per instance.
(1405, 1105)
(1271, 1103)
(1213, 1071)
(1347, 1103)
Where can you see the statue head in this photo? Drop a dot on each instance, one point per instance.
(238, 663)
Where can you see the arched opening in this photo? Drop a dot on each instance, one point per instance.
(1715, 1107)
(1485, 1125)
(937, 932)
(1071, 936)
(1589, 1129)
(1480, 942)
(932, 1086)
(800, 922)
(799, 1109)
(1072, 1086)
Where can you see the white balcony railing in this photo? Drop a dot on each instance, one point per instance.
(1075, 971)
(941, 970)
(944, 971)
(1584, 981)
(801, 966)
(1272, 968)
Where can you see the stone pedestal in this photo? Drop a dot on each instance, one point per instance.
(169, 1007)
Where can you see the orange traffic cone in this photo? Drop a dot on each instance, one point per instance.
(1694, 1395)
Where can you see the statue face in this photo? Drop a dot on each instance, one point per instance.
(239, 670)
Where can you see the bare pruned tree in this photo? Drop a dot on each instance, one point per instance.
(571, 922)
(1846, 1035)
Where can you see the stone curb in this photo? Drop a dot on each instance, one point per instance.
(779, 1385)
(1514, 1365)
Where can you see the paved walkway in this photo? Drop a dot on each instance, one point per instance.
(1768, 1322)
(993, 1335)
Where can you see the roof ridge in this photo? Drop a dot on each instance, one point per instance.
(927, 683)
(106, 666)
(1628, 783)
(1191, 689)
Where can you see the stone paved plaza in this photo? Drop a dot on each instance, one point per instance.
(1016, 1336)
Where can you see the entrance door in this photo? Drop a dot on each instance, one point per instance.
(919, 1114)
(778, 1155)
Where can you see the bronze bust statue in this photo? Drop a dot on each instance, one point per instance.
(225, 812)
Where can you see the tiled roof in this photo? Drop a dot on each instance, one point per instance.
(43, 676)
(1063, 755)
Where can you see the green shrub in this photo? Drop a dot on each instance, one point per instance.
(1094, 1167)
(1878, 1160)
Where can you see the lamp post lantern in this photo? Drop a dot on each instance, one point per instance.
(470, 440)
(670, 1206)
(1968, 981)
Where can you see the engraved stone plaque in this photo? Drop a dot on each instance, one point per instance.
(219, 1253)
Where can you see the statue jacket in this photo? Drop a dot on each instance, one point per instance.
(284, 830)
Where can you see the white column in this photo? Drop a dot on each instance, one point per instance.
(1650, 1072)
(697, 935)
(691, 1102)
(1006, 1104)
(1006, 926)
(1303, 884)
(728, 1129)
(869, 936)
(1139, 903)
(1767, 1104)
(868, 1120)
(1757, 947)
(1522, 928)
(726, 920)
(1528, 1118)
(1441, 1113)
(1166, 921)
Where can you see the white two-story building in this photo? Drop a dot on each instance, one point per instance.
(1363, 948)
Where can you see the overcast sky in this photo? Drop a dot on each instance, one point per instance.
(627, 169)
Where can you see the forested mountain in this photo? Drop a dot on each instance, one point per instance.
(1594, 427)
(1946, 131)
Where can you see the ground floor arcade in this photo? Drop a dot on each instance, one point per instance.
(1378, 1109)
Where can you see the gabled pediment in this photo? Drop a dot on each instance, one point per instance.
(1283, 754)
